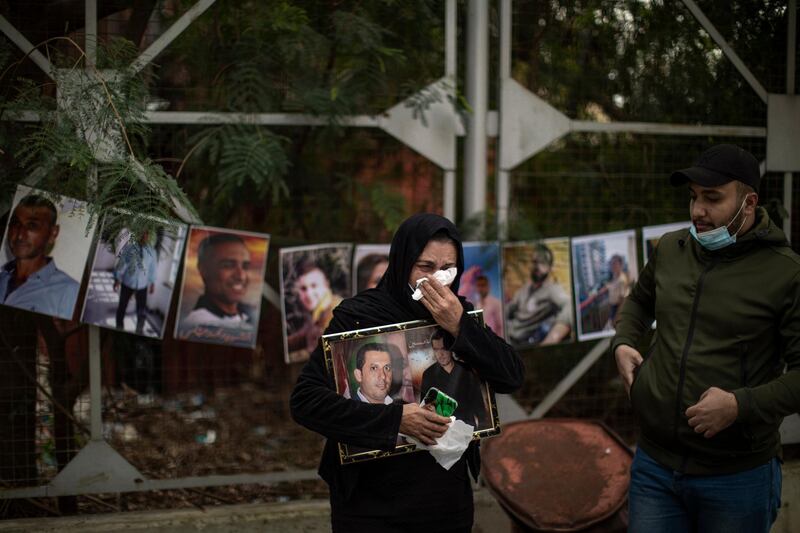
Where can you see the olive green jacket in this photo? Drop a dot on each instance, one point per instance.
(728, 319)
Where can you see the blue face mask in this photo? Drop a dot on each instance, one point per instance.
(720, 237)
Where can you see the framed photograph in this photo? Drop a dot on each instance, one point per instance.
(605, 269)
(652, 234)
(480, 282)
(223, 276)
(133, 278)
(314, 280)
(537, 284)
(369, 263)
(408, 362)
(44, 253)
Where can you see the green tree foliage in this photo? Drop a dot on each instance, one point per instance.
(618, 60)
(627, 60)
(91, 142)
(650, 61)
(325, 59)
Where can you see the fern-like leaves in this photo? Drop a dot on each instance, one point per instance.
(90, 145)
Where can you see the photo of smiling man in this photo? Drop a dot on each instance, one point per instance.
(222, 282)
(314, 280)
(44, 253)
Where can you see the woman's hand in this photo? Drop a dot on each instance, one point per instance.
(422, 424)
(443, 305)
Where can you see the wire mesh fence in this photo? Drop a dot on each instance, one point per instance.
(41, 407)
(594, 183)
(175, 409)
(183, 410)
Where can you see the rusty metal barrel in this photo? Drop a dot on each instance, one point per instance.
(559, 475)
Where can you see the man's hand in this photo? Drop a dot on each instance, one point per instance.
(152, 288)
(628, 360)
(422, 424)
(116, 286)
(443, 305)
(716, 410)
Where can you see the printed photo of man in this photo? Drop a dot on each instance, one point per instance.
(605, 269)
(31, 279)
(135, 274)
(369, 263)
(373, 373)
(481, 282)
(224, 264)
(540, 312)
(455, 379)
(313, 289)
(314, 280)
(223, 278)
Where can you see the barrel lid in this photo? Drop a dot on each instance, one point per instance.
(557, 474)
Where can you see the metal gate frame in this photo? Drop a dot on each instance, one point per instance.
(525, 116)
(99, 468)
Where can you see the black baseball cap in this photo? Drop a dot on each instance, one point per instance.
(718, 165)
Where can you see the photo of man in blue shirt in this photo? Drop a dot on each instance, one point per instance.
(141, 265)
(31, 280)
(135, 274)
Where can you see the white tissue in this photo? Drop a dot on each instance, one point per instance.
(449, 447)
(445, 277)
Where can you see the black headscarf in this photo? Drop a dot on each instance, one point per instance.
(390, 302)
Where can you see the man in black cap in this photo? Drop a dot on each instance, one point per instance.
(408, 492)
(711, 392)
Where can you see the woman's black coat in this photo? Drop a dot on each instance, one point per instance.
(411, 490)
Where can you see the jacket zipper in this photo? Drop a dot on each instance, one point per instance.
(685, 354)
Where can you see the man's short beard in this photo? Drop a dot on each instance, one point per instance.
(737, 223)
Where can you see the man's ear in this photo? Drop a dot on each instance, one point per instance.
(51, 240)
(750, 203)
(54, 234)
(357, 374)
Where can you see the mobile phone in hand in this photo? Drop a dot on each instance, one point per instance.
(443, 404)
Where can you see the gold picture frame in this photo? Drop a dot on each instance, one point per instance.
(408, 348)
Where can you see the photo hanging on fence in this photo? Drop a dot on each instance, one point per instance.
(223, 276)
(652, 234)
(408, 362)
(133, 278)
(45, 249)
(314, 280)
(480, 282)
(537, 284)
(605, 270)
(369, 263)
